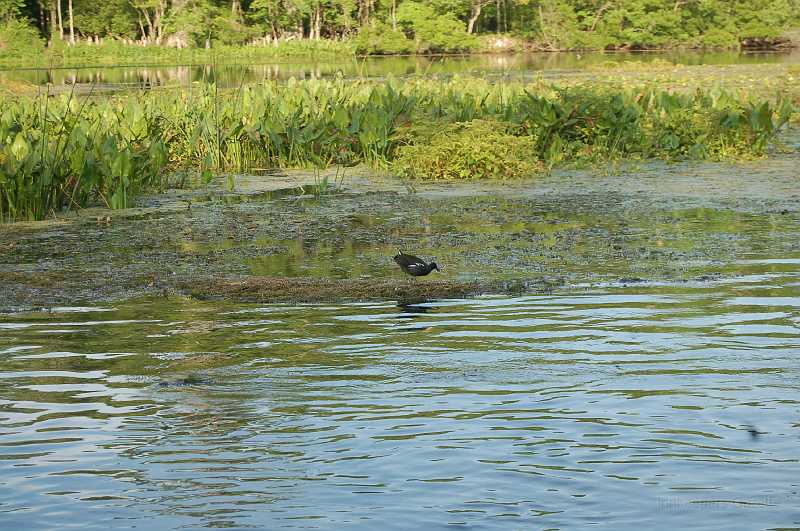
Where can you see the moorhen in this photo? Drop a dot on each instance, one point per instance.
(416, 267)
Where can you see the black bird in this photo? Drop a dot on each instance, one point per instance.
(754, 433)
(416, 267)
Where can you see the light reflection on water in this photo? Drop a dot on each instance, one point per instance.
(609, 407)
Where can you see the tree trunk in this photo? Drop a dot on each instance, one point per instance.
(148, 35)
(141, 27)
(544, 28)
(42, 18)
(60, 21)
(477, 6)
(157, 18)
(599, 15)
(394, 14)
(549, 22)
(315, 23)
(236, 9)
(52, 19)
(71, 25)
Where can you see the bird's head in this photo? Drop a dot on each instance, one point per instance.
(434, 266)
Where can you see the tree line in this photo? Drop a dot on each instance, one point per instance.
(388, 25)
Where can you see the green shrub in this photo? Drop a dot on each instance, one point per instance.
(379, 38)
(718, 38)
(480, 149)
(19, 39)
(106, 18)
(434, 33)
(231, 32)
(581, 40)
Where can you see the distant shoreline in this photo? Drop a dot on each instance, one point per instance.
(116, 53)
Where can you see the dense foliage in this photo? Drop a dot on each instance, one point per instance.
(467, 150)
(61, 152)
(399, 26)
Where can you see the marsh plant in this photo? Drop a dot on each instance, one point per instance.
(466, 150)
(59, 152)
(62, 152)
(327, 184)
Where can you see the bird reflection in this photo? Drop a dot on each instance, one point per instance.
(415, 305)
(413, 309)
(753, 431)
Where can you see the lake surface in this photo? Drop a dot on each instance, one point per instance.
(673, 400)
(610, 407)
(512, 66)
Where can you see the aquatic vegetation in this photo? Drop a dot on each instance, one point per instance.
(66, 152)
(306, 289)
(479, 149)
(644, 66)
(62, 152)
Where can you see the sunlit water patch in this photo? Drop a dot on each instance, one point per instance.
(613, 407)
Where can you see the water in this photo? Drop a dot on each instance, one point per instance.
(514, 66)
(612, 407)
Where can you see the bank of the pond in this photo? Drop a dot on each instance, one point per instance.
(68, 152)
(116, 53)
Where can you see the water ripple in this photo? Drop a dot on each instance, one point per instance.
(599, 408)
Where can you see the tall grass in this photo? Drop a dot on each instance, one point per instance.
(61, 152)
